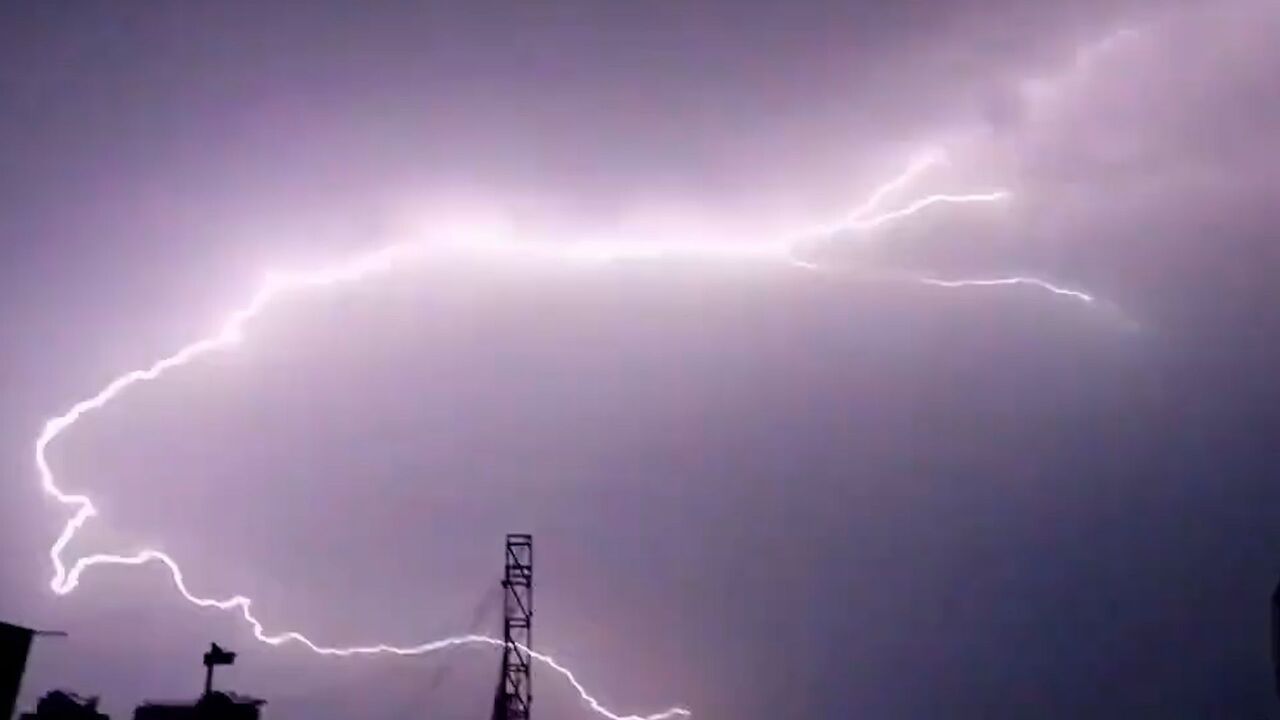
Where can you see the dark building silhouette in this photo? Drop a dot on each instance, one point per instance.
(212, 706)
(63, 705)
(1275, 636)
(15, 645)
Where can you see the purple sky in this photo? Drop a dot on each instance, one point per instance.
(756, 491)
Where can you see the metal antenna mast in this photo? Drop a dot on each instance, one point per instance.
(515, 692)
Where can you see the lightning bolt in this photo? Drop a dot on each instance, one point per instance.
(864, 218)
(231, 332)
(1034, 282)
(67, 579)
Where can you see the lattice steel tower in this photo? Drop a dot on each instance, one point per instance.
(515, 692)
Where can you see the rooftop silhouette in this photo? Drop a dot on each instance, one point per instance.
(65, 705)
(211, 705)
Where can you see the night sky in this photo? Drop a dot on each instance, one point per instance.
(756, 491)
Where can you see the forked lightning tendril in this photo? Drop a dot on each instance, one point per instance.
(1033, 282)
(65, 579)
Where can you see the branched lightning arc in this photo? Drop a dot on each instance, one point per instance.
(1031, 281)
(65, 579)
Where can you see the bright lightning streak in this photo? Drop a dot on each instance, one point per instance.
(232, 330)
(925, 202)
(1035, 282)
(241, 603)
(862, 219)
(918, 166)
